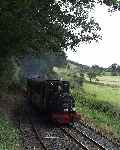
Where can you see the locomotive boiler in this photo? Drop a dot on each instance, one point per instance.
(53, 97)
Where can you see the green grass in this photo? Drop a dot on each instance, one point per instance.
(103, 93)
(100, 104)
(102, 120)
(110, 80)
(9, 135)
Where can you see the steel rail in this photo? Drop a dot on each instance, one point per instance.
(85, 135)
(37, 135)
(75, 139)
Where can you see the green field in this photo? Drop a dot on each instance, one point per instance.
(110, 80)
(103, 93)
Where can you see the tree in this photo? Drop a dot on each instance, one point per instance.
(118, 70)
(44, 26)
(113, 69)
(92, 75)
(94, 71)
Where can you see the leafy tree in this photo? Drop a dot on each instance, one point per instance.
(44, 26)
(118, 70)
(115, 4)
(92, 75)
(94, 71)
(113, 69)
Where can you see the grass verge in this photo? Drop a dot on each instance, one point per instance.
(9, 135)
(104, 112)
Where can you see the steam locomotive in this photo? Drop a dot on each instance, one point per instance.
(53, 97)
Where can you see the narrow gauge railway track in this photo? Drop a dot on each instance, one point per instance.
(75, 139)
(31, 139)
(73, 133)
(100, 139)
(91, 139)
(80, 138)
(38, 135)
(53, 143)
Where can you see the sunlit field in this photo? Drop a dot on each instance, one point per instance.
(109, 80)
(103, 93)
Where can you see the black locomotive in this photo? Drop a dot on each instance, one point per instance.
(52, 96)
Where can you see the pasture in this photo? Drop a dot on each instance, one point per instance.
(103, 93)
(110, 80)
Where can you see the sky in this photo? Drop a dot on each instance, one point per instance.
(107, 51)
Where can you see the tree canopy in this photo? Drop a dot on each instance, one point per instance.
(44, 26)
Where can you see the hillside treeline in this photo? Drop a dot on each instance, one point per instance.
(93, 71)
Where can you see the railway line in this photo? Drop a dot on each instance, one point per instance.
(51, 138)
(96, 137)
(38, 136)
(86, 142)
(29, 138)
(41, 135)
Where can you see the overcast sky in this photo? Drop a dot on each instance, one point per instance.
(106, 51)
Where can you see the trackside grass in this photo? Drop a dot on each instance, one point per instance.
(101, 104)
(103, 93)
(9, 135)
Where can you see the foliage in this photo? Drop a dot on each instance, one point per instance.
(114, 69)
(9, 136)
(87, 100)
(46, 26)
(94, 71)
(115, 4)
(76, 78)
(99, 105)
(91, 75)
(43, 25)
(80, 67)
